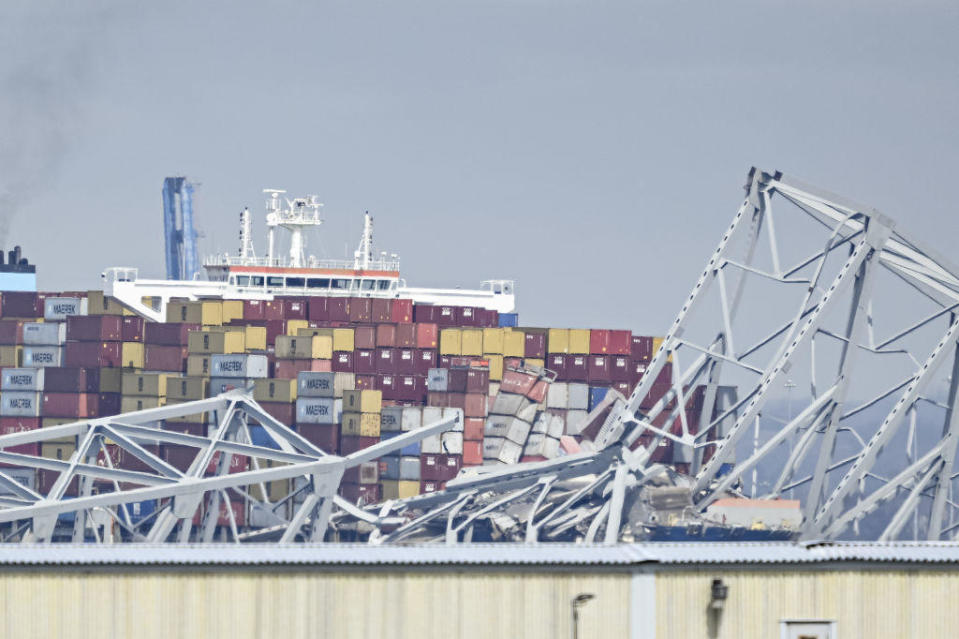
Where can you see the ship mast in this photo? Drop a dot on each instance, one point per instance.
(302, 212)
(364, 254)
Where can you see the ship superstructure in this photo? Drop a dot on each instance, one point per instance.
(244, 275)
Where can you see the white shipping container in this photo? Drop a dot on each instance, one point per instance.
(454, 412)
(509, 404)
(518, 431)
(551, 447)
(44, 333)
(558, 395)
(59, 308)
(261, 516)
(245, 366)
(541, 425)
(452, 443)
(557, 426)
(432, 445)
(431, 414)
(22, 379)
(535, 445)
(310, 384)
(510, 453)
(409, 468)
(438, 379)
(315, 410)
(575, 421)
(20, 403)
(492, 447)
(578, 397)
(343, 382)
(42, 356)
(412, 417)
(26, 477)
(497, 426)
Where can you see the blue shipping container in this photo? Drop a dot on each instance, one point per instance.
(389, 468)
(508, 320)
(259, 437)
(140, 510)
(410, 450)
(596, 395)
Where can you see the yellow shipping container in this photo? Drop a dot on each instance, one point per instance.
(579, 341)
(201, 312)
(58, 449)
(495, 367)
(194, 418)
(130, 404)
(361, 424)
(294, 325)
(255, 338)
(362, 401)
(274, 390)
(276, 490)
(342, 339)
(558, 340)
(312, 332)
(144, 384)
(493, 341)
(400, 489)
(11, 356)
(210, 342)
(111, 380)
(472, 342)
(451, 341)
(304, 347)
(657, 342)
(532, 361)
(198, 365)
(132, 355)
(186, 388)
(232, 309)
(514, 344)
(100, 304)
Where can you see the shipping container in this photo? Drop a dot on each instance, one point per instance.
(401, 311)
(95, 328)
(208, 313)
(132, 329)
(93, 354)
(44, 333)
(165, 358)
(163, 334)
(20, 404)
(24, 304)
(144, 384)
(42, 356)
(246, 366)
(315, 410)
(208, 343)
(186, 388)
(275, 390)
(427, 336)
(57, 309)
(326, 437)
(311, 384)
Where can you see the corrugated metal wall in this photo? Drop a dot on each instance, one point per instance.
(876, 604)
(293, 605)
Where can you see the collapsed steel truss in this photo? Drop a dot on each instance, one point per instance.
(825, 296)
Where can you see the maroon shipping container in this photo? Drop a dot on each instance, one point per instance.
(636, 371)
(343, 362)
(361, 310)
(170, 359)
(641, 348)
(273, 310)
(294, 307)
(360, 493)
(11, 332)
(625, 388)
(557, 364)
(364, 361)
(284, 412)
(387, 385)
(386, 335)
(619, 368)
(437, 399)
(440, 467)
(132, 329)
(122, 459)
(316, 309)
(47, 478)
(477, 380)
(108, 404)
(405, 336)
(168, 334)
(456, 380)
(411, 388)
(598, 341)
(467, 316)
(365, 382)
(326, 437)
(427, 487)
(446, 315)
(425, 360)
(619, 342)
(577, 368)
(253, 310)
(70, 405)
(10, 425)
(382, 310)
(350, 444)
(665, 374)
(22, 304)
(71, 380)
(401, 311)
(443, 361)
(599, 369)
(405, 361)
(535, 345)
(475, 405)
(364, 337)
(93, 354)
(490, 318)
(427, 335)
(338, 309)
(95, 328)
(425, 313)
(386, 361)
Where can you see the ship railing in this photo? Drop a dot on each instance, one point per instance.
(311, 262)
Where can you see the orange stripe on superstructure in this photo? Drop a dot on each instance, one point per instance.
(311, 271)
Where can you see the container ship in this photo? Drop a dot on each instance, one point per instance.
(346, 355)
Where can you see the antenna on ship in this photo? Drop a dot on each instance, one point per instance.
(272, 210)
(246, 234)
(301, 212)
(364, 254)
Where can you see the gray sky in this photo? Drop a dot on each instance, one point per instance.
(593, 151)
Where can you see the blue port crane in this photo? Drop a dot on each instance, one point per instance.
(181, 253)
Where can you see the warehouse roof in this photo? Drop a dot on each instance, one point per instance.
(546, 554)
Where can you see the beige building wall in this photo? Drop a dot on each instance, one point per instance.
(867, 603)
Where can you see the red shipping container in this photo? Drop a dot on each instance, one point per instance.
(361, 310)
(665, 374)
(386, 361)
(71, 380)
(253, 310)
(93, 354)
(364, 337)
(288, 368)
(168, 334)
(350, 444)
(425, 360)
(10, 425)
(405, 336)
(438, 399)
(364, 361)
(317, 310)
(273, 310)
(456, 380)
(467, 316)
(387, 385)
(284, 412)
(473, 428)
(577, 368)
(365, 382)
(619, 368)
(477, 380)
(11, 332)
(165, 358)
(636, 371)
(338, 309)
(447, 315)
(557, 364)
(535, 345)
(490, 318)
(599, 369)
(472, 453)
(401, 311)
(47, 478)
(343, 362)
(360, 493)
(294, 308)
(619, 342)
(405, 361)
(426, 335)
(326, 437)
(124, 460)
(641, 348)
(598, 342)
(108, 404)
(512, 362)
(386, 335)
(475, 405)
(22, 304)
(515, 382)
(95, 328)
(427, 487)
(425, 313)
(411, 388)
(382, 310)
(223, 517)
(69, 405)
(538, 392)
(623, 387)
(132, 329)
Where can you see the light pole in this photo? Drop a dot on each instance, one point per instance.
(574, 605)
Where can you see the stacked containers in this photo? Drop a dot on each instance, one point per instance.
(360, 428)
(317, 418)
